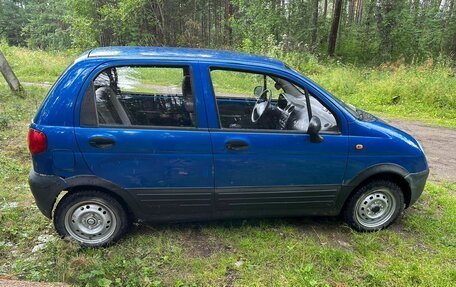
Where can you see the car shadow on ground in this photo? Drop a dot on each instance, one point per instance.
(203, 239)
(331, 226)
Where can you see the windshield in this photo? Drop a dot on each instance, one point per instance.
(296, 96)
(357, 113)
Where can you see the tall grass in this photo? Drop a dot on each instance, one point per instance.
(36, 65)
(423, 93)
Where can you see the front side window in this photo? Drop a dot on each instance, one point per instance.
(258, 101)
(145, 96)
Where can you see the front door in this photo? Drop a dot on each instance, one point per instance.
(264, 161)
(150, 138)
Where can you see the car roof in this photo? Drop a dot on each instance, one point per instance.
(179, 54)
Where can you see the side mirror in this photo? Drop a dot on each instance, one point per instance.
(258, 91)
(314, 129)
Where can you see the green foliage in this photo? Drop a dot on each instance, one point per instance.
(384, 30)
(81, 17)
(46, 28)
(371, 31)
(12, 19)
(4, 122)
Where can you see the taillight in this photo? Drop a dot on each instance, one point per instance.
(37, 141)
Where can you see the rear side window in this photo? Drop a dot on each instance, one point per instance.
(145, 96)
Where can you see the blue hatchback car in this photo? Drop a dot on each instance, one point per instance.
(168, 134)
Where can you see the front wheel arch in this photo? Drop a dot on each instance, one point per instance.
(389, 176)
(391, 172)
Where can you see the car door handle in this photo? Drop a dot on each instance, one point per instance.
(237, 145)
(101, 142)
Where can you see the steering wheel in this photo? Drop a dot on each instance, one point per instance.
(262, 104)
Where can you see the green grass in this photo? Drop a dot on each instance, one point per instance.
(35, 65)
(240, 83)
(419, 250)
(416, 93)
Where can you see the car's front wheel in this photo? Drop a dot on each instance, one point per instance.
(374, 206)
(91, 217)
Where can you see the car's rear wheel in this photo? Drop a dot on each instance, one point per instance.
(374, 206)
(91, 217)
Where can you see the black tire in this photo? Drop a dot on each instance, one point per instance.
(382, 198)
(75, 213)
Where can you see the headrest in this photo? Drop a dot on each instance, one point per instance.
(187, 86)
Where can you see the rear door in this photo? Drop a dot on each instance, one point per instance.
(271, 167)
(143, 127)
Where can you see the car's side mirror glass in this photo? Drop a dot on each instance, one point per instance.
(258, 91)
(314, 130)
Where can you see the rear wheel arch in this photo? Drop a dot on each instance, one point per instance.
(82, 183)
(115, 195)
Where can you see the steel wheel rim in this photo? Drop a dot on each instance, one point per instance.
(90, 222)
(375, 208)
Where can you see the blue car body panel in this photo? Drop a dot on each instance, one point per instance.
(185, 173)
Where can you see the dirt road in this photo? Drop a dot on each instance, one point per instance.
(438, 143)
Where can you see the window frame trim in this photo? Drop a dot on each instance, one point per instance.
(90, 93)
(210, 68)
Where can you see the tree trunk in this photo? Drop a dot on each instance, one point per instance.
(385, 25)
(359, 11)
(313, 43)
(228, 13)
(209, 24)
(351, 11)
(452, 23)
(325, 10)
(450, 10)
(9, 75)
(334, 28)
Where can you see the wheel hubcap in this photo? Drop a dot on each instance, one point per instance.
(375, 208)
(90, 222)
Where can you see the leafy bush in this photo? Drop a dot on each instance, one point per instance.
(4, 122)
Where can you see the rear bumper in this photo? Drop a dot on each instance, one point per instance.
(45, 190)
(416, 181)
